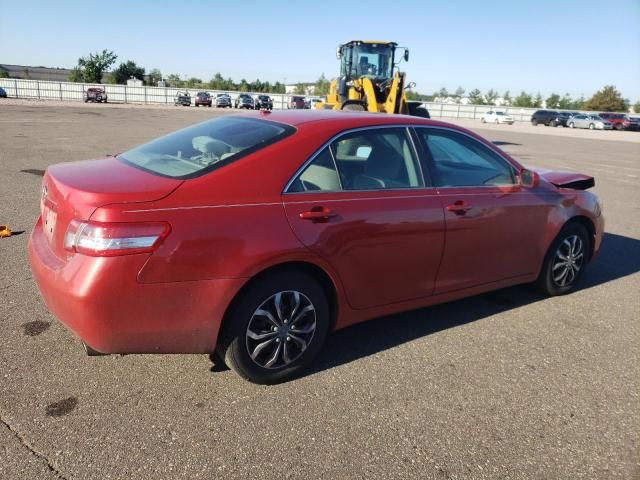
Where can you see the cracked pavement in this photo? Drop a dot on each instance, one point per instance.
(506, 385)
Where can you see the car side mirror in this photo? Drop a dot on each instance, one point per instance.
(529, 178)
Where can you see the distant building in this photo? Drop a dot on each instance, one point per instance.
(134, 82)
(308, 88)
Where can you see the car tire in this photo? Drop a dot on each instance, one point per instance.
(592, 126)
(619, 127)
(558, 277)
(497, 121)
(251, 339)
(482, 120)
(572, 125)
(534, 122)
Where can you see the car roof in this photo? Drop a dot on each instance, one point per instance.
(343, 119)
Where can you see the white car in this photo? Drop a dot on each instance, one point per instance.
(496, 117)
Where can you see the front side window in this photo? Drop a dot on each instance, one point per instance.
(460, 161)
(206, 146)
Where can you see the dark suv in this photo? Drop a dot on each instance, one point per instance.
(620, 121)
(551, 118)
(264, 102)
(203, 98)
(244, 100)
(94, 94)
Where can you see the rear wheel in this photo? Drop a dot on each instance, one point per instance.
(592, 126)
(619, 126)
(565, 260)
(275, 328)
(571, 125)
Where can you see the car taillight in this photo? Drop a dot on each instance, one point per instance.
(114, 239)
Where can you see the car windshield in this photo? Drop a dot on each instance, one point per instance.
(367, 59)
(206, 146)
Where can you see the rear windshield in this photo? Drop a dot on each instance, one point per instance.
(198, 149)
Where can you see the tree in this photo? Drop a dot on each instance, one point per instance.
(636, 107)
(608, 99)
(537, 102)
(4, 73)
(460, 92)
(523, 100)
(76, 75)
(491, 97)
(321, 86)
(300, 89)
(506, 97)
(553, 101)
(475, 97)
(95, 65)
(443, 93)
(125, 71)
(193, 82)
(578, 104)
(174, 81)
(155, 76)
(26, 74)
(566, 102)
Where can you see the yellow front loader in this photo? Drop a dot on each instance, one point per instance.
(370, 80)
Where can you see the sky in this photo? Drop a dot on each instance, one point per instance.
(560, 46)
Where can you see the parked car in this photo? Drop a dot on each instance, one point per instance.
(296, 102)
(263, 102)
(620, 121)
(244, 100)
(203, 98)
(242, 234)
(552, 118)
(3, 93)
(493, 116)
(223, 100)
(309, 102)
(94, 94)
(182, 98)
(592, 122)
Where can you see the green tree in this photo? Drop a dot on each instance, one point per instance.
(537, 102)
(300, 89)
(506, 96)
(578, 103)
(443, 93)
(174, 81)
(321, 86)
(608, 99)
(636, 107)
(94, 66)
(125, 71)
(279, 88)
(475, 97)
(4, 73)
(193, 82)
(523, 100)
(76, 75)
(553, 101)
(459, 93)
(491, 97)
(566, 102)
(155, 75)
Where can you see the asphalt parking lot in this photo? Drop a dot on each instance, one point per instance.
(507, 385)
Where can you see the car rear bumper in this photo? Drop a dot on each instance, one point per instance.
(103, 303)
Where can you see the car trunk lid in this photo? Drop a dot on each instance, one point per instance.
(74, 191)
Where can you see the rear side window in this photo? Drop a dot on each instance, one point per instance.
(460, 161)
(206, 146)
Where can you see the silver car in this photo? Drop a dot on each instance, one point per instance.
(591, 121)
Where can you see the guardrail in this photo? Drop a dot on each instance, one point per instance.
(69, 91)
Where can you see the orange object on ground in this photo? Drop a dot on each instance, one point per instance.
(5, 231)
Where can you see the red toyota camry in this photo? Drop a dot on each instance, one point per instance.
(254, 235)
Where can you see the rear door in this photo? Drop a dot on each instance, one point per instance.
(493, 224)
(361, 203)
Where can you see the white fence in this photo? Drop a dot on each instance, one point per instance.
(40, 89)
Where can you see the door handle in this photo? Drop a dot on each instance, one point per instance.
(459, 207)
(317, 215)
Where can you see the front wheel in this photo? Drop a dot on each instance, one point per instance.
(592, 126)
(565, 260)
(275, 328)
(571, 125)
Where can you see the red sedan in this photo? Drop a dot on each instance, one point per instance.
(255, 235)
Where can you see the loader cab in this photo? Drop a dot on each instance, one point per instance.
(367, 59)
